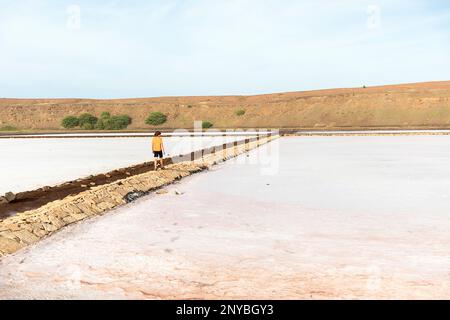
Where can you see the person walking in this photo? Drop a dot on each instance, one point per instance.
(158, 149)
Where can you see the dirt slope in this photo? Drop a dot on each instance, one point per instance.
(420, 105)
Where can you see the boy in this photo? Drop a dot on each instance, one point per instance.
(158, 149)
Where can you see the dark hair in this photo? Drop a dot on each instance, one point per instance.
(157, 133)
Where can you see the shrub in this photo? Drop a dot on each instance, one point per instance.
(105, 115)
(189, 106)
(206, 124)
(100, 125)
(240, 112)
(106, 122)
(70, 122)
(87, 126)
(156, 118)
(126, 119)
(117, 122)
(87, 118)
(8, 128)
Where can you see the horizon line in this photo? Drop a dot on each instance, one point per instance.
(245, 95)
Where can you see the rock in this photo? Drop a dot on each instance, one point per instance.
(178, 192)
(9, 235)
(69, 219)
(106, 205)
(49, 227)
(92, 183)
(3, 200)
(131, 196)
(161, 191)
(9, 245)
(108, 175)
(14, 227)
(39, 232)
(56, 222)
(26, 236)
(83, 186)
(128, 173)
(9, 196)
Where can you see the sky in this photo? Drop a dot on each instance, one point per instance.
(124, 49)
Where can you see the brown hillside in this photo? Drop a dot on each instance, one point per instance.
(420, 105)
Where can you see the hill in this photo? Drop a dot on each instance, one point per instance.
(418, 105)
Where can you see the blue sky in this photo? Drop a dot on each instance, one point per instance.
(115, 49)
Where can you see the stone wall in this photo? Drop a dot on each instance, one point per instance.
(29, 227)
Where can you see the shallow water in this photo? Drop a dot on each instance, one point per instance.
(27, 164)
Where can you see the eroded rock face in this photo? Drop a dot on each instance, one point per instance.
(29, 227)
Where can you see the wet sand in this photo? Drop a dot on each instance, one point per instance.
(338, 217)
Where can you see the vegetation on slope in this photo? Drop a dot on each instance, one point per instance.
(87, 121)
(206, 124)
(422, 105)
(156, 118)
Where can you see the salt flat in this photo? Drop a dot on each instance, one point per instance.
(27, 164)
(318, 217)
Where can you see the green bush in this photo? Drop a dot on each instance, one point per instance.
(206, 124)
(156, 118)
(106, 122)
(70, 122)
(116, 122)
(87, 126)
(240, 112)
(126, 119)
(100, 125)
(8, 128)
(87, 118)
(105, 115)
